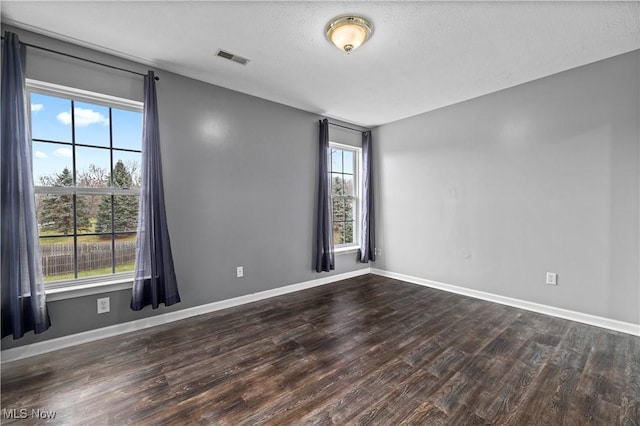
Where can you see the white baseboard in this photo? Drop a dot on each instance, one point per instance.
(624, 327)
(38, 348)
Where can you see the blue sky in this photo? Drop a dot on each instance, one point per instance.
(51, 120)
(342, 161)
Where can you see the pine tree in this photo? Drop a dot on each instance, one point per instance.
(56, 210)
(125, 207)
(103, 214)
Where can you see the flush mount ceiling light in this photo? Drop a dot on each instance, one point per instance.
(348, 32)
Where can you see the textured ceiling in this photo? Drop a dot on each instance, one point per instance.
(422, 55)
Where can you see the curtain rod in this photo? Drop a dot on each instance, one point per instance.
(348, 128)
(83, 59)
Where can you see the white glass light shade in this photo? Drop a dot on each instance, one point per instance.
(348, 32)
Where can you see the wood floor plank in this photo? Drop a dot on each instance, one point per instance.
(592, 410)
(427, 414)
(368, 350)
(550, 401)
(394, 408)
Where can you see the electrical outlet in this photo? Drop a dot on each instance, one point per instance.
(240, 271)
(103, 305)
(378, 251)
(552, 278)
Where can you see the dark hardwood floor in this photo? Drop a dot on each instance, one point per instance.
(368, 350)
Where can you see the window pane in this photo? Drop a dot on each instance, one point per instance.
(49, 162)
(92, 165)
(85, 220)
(103, 214)
(91, 124)
(349, 185)
(50, 118)
(94, 255)
(336, 184)
(126, 129)
(348, 232)
(57, 258)
(125, 212)
(349, 161)
(336, 160)
(349, 209)
(125, 252)
(55, 214)
(86, 208)
(338, 210)
(338, 232)
(126, 169)
(93, 176)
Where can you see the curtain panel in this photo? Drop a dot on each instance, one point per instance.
(155, 278)
(324, 256)
(23, 296)
(367, 216)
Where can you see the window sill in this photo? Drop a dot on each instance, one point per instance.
(88, 289)
(346, 249)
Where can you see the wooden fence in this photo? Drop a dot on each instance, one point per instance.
(57, 259)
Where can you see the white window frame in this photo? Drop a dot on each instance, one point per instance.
(358, 195)
(77, 287)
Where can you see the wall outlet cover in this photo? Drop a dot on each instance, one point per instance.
(552, 278)
(104, 305)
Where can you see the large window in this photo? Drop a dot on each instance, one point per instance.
(343, 173)
(86, 151)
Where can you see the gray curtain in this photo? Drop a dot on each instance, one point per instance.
(367, 216)
(23, 297)
(155, 278)
(324, 237)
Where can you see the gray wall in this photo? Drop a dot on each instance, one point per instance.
(491, 193)
(240, 179)
(487, 194)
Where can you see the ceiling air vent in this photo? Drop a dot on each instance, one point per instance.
(232, 57)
